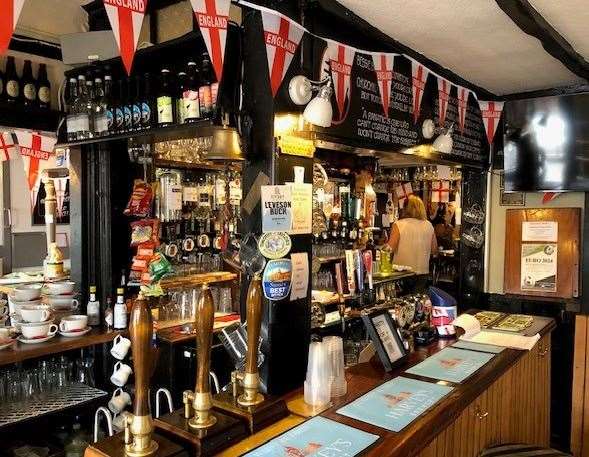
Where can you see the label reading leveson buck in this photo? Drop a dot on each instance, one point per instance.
(165, 113)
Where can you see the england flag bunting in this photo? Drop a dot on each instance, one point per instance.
(34, 147)
(126, 19)
(462, 99)
(340, 59)
(444, 87)
(383, 67)
(60, 189)
(7, 146)
(9, 13)
(419, 76)
(282, 37)
(212, 17)
(491, 113)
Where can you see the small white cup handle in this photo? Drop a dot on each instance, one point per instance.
(52, 330)
(45, 315)
(62, 326)
(118, 391)
(117, 340)
(75, 303)
(117, 367)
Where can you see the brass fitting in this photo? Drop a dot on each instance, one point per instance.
(202, 404)
(250, 396)
(138, 431)
(187, 399)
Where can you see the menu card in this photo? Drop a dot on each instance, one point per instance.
(318, 437)
(395, 404)
(460, 344)
(451, 364)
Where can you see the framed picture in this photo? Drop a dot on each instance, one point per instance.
(510, 198)
(386, 339)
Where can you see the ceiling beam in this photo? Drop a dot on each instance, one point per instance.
(523, 14)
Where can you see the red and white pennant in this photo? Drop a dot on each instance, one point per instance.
(419, 76)
(491, 114)
(7, 145)
(403, 192)
(9, 13)
(444, 87)
(383, 67)
(212, 17)
(340, 58)
(126, 19)
(282, 37)
(462, 99)
(440, 191)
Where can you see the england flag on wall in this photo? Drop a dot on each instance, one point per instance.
(340, 58)
(383, 67)
(444, 87)
(491, 114)
(419, 77)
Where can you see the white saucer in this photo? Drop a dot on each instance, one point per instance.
(74, 334)
(22, 339)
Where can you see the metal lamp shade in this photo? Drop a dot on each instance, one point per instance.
(225, 145)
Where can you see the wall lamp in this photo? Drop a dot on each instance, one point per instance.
(444, 142)
(318, 110)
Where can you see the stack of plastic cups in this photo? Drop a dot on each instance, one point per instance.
(318, 382)
(335, 349)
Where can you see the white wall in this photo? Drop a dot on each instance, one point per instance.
(497, 225)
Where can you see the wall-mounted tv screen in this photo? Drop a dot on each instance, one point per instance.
(546, 144)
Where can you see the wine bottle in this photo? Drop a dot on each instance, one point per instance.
(165, 100)
(29, 85)
(204, 91)
(147, 111)
(12, 82)
(128, 106)
(109, 102)
(44, 88)
(181, 115)
(191, 94)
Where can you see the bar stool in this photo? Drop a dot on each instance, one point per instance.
(521, 450)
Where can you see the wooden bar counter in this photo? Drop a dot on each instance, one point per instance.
(506, 401)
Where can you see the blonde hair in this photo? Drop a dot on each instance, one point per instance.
(414, 208)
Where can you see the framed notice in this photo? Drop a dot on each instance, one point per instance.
(540, 231)
(539, 266)
(510, 198)
(384, 335)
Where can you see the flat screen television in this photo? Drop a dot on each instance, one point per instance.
(546, 144)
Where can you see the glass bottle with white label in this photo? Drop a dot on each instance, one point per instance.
(120, 311)
(100, 109)
(93, 308)
(190, 95)
(165, 100)
(80, 107)
(44, 88)
(71, 121)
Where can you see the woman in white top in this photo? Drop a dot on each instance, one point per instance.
(413, 239)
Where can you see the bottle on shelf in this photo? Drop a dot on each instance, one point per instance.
(180, 112)
(109, 314)
(109, 104)
(71, 121)
(190, 95)
(44, 88)
(165, 100)
(120, 311)
(12, 82)
(29, 85)
(89, 105)
(93, 308)
(204, 91)
(136, 106)
(128, 106)
(100, 109)
(120, 108)
(81, 110)
(147, 108)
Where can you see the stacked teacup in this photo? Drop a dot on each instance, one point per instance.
(26, 294)
(121, 373)
(36, 323)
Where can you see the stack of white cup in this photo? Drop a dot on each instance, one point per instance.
(335, 350)
(318, 381)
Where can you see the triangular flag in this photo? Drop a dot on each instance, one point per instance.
(340, 58)
(60, 191)
(126, 19)
(549, 196)
(444, 87)
(383, 67)
(419, 76)
(491, 113)
(212, 17)
(462, 98)
(282, 37)
(9, 12)
(7, 145)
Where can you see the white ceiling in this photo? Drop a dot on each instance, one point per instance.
(476, 40)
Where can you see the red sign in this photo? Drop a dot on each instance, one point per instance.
(126, 19)
(340, 58)
(34, 147)
(9, 13)
(383, 66)
(212, 17)
(419, 76)
(491, 113)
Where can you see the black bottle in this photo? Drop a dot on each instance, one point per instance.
(204, 92)
(190, 96)
(12, 82)
(136, 105)
(147, 109)
(110, 105)
(43, 88)
(128, 105)
(29, 85)
(180, 112)
(120, 108)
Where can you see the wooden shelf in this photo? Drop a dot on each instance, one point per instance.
(20, 351)
(197, 279)
(160, 163)
(33, 118)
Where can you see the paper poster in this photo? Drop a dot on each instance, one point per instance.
(302, 208)
(277, 279)
(538, 267)
(317, 437)
(300, 275)
(450, 364)
(396, 403)
(276, 208)
(540, 231)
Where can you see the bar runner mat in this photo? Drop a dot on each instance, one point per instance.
(317, 437)
(450, 364)
(396, 403)
(480, 347)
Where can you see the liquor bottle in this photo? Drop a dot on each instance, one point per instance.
(93, 308)
(71, 121)
(100, 109)
(108, 314)
(180, 114)
(80, 107)
(147, 110)
(128, 106)
(136, 106)
(120, 311)
(190, 95)
(165, 100)
(120, 108)
(12, 82)
(29, 85)
(44, 88)
(109, 102)
(204, 91)
(206, 61)
(89, 105)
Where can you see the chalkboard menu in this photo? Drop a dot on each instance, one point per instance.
(359, 117)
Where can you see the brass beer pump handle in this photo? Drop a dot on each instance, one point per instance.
(254, 323)
(141, 332)
(205, 316)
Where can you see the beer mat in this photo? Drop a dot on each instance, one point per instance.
(480, 347)
(488, 318)
(514, 323)
(317, 437)
(450, 364)
(396, 403)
